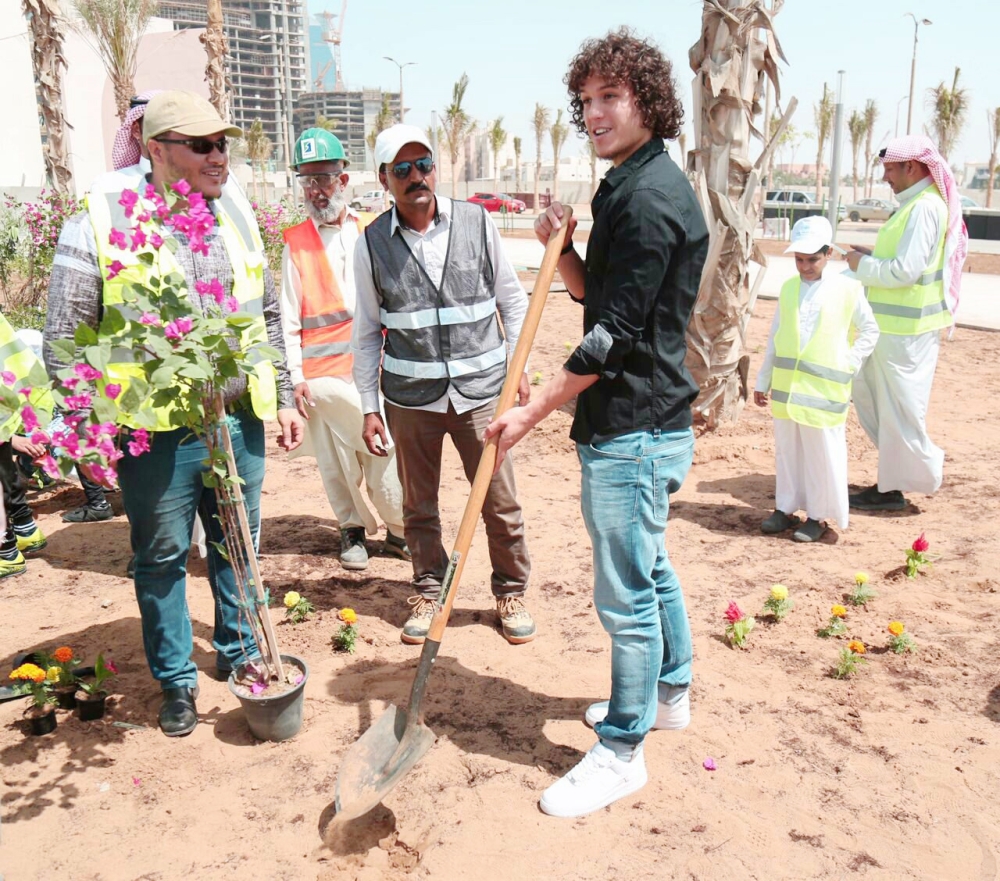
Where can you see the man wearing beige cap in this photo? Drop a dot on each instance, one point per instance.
(162, 489)
(432, 273)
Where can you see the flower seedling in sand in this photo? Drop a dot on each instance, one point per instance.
(738, 625)
(917, 556)
(836, 627)
(65, 662)
(899, 640)
(347, 635)
(861, 593)
(33, 681)
(103, 671)
(850, 660)
(778, 604)
(297, 607)
(536, 377)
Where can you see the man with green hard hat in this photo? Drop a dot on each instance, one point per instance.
(317, 308)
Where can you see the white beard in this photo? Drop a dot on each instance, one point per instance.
(331, 214)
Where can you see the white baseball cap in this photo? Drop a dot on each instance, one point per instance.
(393, 139)
(809, 235)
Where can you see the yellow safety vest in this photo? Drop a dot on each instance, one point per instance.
(812, 385)
(19, 359)
(242, 241)
(921, 307)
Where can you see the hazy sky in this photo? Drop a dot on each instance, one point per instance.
(516, 53)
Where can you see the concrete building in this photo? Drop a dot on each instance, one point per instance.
(353, 115)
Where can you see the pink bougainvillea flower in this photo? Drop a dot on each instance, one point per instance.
(113, 390)
(49, 466)
(73, 420)
(138, 238)
(40, 437)
(733, 613)
(182, 187)
(149, 192)
(70, 382)
(921, 544)
(709, 764)
(173, 331)
(26, 391)
(232, 304)
(117, 238)
(137, 781)
(156, 240)
(128, 201)
(8, 377)
(139, 443)
(114, 268)
(257, 687)
(86, 372)
(28, 418)
(149, 319)
(79, 402)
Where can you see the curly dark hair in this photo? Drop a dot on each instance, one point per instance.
(622, 58)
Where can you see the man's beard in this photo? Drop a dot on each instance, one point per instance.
(330, 215)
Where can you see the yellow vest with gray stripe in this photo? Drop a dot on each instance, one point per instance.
(19, 359)
(812, 385)
(921, 307)
(437, 337)
(240, 235)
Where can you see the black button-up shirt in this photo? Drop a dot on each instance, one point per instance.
(644, 262)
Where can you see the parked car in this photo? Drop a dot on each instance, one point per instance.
(870, 209)
(968, 203)
(373, 200)
(494, 201)
(782, 202)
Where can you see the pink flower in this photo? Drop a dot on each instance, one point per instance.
(39, 437)
(128, 200)
(70, 382)
(113, 390)
(139, 443)
(79, 402)
(49, 466)
(232, 304)
(156, 240)
(73, 420)
(921, 544)
(198, 246)
(8, 377)
(26, 391)
(149, 192)
(182, 187)
(709, 764)
(104, 475)
(111, 667)
(117, 238)
(28, 418)
(86, 372)
(114, 268)
(257, 687)
(149, 319)
(138, 238)
(733, 613)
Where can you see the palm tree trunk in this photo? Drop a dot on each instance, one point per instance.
(217, 49)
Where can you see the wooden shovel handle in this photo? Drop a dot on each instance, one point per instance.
(487, 462)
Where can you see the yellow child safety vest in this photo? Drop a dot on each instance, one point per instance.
(812, 385)
(19, 359)
(921, 307)
(242, 241)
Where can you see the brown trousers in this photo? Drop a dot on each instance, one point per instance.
(419, 438)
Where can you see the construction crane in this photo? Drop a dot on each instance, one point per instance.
(321, 76)
(334, 35)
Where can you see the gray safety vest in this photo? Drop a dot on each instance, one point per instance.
(438, 337)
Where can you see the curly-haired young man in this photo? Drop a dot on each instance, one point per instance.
(633, 416)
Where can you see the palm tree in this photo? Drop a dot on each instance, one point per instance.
(871, 115)
(498, 137)
(592, 155)
(457, 125)
(517, 165)
(540, 122)
(558, 133)
(823, 115)
(116, 27)
(217, 49)
(949, 108)
(856, 129)
(993, 123)
(45, 24)
(259, 147)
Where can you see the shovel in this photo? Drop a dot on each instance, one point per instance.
(383, 755)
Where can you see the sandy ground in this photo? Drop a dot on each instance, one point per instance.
(890, 775)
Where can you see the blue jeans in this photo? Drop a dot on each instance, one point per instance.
(625, 496)
(163, 493)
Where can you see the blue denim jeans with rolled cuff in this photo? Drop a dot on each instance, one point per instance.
(163, 493)
(625, 496)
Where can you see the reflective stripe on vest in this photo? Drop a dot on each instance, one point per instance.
(811, 385)
(445, 369)
(243, 245)
(19, 359)
(920, 307)
(326, 320)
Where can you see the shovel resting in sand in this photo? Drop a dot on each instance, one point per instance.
(399, 738)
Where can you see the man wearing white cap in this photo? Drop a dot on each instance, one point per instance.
(913, 278)
(432, 273)
(808, 368)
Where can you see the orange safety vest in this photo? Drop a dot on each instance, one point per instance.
(326, 320)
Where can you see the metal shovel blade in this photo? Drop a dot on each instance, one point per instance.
(378, 760)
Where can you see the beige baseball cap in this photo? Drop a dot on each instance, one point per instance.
(186, 113)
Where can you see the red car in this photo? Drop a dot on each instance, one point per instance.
(494, 202)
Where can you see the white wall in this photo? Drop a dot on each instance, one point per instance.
(21, 162)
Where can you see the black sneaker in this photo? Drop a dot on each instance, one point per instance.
(873, 500)
(88, 514)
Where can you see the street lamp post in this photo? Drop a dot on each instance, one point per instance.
(402, 108)
(913, 65)
(833, 214)
(899, 104)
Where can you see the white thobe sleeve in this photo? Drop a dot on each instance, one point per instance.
(291, 315)
(512, 301)
(763, 383)
(866, 328)
(366, 333)
(913, 255)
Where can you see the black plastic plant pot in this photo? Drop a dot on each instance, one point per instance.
(41, 723)
(90, 707)
(66, 697)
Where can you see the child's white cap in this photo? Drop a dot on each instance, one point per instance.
(809, 235)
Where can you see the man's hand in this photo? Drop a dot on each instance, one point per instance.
(511, 426)
(760, 399)
(854, 256)
(23, 445)
(523, 391)
(551, 220)
(303, 399)
(293, 429)
(374, 435)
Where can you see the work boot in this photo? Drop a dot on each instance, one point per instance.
(516, 621)
(811, 530)
(353, 553)
(178, 714)
(873, 500)
(394, 546)
(89, 514)
(416, 626)
(779, 521)
(32, 542)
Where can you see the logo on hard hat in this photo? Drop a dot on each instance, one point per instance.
(309, 148)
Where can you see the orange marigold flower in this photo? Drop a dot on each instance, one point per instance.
(29, 671)
(348, 616)
(896, 628)
(856, 646)
(63, 654)
(838, 611)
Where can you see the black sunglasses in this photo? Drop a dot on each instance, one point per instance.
(401, 170)
(201, 146)
(137, 102)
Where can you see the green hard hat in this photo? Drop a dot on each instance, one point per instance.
(319, 145)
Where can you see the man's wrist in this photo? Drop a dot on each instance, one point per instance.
(567, 249)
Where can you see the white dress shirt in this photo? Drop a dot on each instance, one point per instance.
(431, 250)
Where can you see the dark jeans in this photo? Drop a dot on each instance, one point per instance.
(14, 502)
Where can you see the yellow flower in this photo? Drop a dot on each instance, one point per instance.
(29, 671)
(52, 674)
(779, 592)
(856, 646)
(861, 578)
(348, 616)
(291, 599)
(63, 654)
(838, 611)
(896, 628)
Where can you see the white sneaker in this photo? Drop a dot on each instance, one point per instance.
(599, 779)
(670, 717)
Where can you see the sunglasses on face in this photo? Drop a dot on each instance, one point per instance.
(201, 146)
(401, 170)
(323, 180)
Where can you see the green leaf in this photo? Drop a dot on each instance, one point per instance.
(130, 399)
(63, 350)
(85, 335)
(146, 257)
(113, 322)
(37, 376)
(162, 377)
(98, 356)
(105, 410)
(195, 371)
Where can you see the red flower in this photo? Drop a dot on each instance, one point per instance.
(921, 544)
(734, 613)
